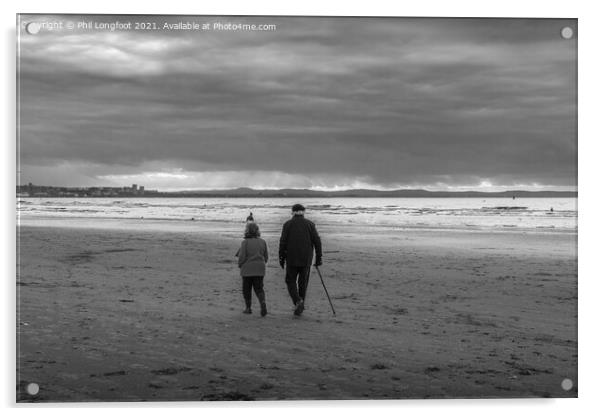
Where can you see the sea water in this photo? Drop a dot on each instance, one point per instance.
(545, 214)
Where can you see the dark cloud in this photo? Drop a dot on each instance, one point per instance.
(328, 101)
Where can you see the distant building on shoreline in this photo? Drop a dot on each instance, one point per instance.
(31, 190)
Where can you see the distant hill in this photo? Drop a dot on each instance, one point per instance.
(58, 192)
(365, 193)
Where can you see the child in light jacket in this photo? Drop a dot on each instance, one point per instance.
(252, 258)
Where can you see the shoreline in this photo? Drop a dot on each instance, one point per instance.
(196, 225)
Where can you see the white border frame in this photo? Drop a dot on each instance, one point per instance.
(590, 202)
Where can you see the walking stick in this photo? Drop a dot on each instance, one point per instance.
(325, 290)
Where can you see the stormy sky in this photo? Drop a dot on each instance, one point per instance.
(321, 103)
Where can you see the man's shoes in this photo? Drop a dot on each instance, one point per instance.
(299, 308)
(247, 311)
(264, 309)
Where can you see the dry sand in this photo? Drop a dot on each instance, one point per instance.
(128, 315)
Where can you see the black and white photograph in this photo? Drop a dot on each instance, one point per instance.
(278, 208)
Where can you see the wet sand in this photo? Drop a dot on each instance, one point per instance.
(128, 315)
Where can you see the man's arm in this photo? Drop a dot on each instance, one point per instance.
(317, 242)
(283, 244)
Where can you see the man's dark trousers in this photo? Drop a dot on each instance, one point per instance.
(297, 277)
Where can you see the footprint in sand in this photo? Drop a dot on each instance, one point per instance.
(170, 371)
(431, 369)
(115, 373)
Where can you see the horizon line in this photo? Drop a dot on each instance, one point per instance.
(335, 190)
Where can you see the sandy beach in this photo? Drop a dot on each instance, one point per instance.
(141, 314)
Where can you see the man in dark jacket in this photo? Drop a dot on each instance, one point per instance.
(298, 241)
